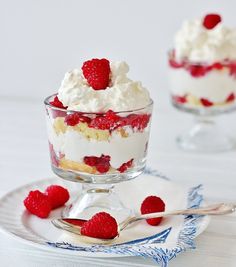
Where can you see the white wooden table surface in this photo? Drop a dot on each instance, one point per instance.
(24, 158)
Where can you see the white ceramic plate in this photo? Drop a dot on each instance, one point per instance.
(173, 236)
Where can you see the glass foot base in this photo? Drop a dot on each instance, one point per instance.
(96, 199)
(206, 136)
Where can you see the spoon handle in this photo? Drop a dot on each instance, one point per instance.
(217, 209)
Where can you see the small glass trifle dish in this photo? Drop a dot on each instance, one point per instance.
(202, 75)
(98, 137)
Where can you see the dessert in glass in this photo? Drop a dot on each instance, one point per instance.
(98, 130)
(202, 74)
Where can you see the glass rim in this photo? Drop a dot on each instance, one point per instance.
(170, 54)
(47, 103)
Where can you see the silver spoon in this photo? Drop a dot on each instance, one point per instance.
(68, 224)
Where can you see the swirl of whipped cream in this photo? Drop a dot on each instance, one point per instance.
(197, 44)
(123, 94)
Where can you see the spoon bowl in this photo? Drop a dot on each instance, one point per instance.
(63, 224)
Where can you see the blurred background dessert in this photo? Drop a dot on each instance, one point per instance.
(203, 64)
(202, 77)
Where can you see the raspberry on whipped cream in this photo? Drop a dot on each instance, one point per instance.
(97, 73)
(211, 20)
(203, 64)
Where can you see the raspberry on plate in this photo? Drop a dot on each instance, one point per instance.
(211, 20)
(153, 204)
(38, 204)
(97, 73)
(101, 225)
(57, 195)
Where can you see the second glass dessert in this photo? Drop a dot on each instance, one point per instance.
(98, 137)
(202, 77)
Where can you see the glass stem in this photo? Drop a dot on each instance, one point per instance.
(202, 119)
(97, 188)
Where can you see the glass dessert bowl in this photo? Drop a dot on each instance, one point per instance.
(203, 82)
(97, 149)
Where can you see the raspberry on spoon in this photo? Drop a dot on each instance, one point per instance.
(101, 225)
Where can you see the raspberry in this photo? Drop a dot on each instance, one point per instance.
(232, 68)
(206, 102)
(102, 163)
(53, 155)
(230, 98)
(57, 195)
(112, 117)
(179, 99)
(75, 118)
(101, 225)
(57, 103)
(91, 160)
(211, 20)
(217, 66)
(176, 65)
(101, 123)
(38, 204)
(138, 121)
(108, 121)
(111, 121)
(103, 168)
(125, 166)
(97, 73)
(152, 204)
(197, 70)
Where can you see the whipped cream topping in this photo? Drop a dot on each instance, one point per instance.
(123, 94)
(196, 43)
